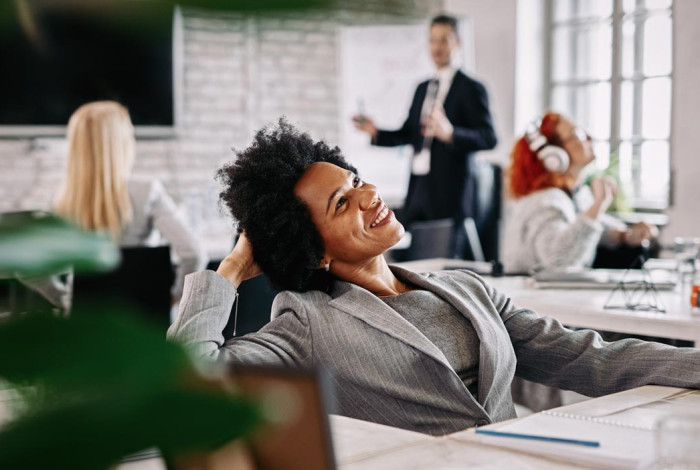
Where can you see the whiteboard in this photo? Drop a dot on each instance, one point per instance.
(380, 68)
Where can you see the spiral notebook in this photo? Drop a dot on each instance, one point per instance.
(621, 447)
(625, 435)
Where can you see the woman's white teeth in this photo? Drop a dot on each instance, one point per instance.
(380, 217)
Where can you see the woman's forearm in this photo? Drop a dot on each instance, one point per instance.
(595, 211)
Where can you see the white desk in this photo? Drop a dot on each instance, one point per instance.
(584, 307)
(467, 450)
(360, 445)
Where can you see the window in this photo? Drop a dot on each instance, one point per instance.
(610, 70)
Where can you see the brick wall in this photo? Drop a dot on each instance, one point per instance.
(239, 72)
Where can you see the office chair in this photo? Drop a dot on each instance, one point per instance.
(140, 286)
(17, 298)
(483, 226)
(255, 298)
(254, 301)
(624, 256)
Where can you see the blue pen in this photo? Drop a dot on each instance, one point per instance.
(538, 438)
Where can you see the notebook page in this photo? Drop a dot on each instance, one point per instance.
(620, 447)
(648, 414)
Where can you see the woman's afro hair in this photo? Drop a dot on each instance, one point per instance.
(258, 189)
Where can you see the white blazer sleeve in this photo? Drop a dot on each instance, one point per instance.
(181, 239)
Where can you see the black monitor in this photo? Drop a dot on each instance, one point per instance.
(58, 55)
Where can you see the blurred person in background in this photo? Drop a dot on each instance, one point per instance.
(556, 222)
(100, 194)
(448, 121)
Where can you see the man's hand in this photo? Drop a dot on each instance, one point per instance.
(365, 124)
(438, 126)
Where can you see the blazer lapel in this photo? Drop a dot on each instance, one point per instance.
(365, 306)
(492, 367)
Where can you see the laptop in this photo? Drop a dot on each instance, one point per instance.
(297, 433)
(297, 402)
(661, 279)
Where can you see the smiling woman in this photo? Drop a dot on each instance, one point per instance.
(433, 352)
(355, 224)
(334, 224)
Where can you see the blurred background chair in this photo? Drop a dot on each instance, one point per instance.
(140, 286)
(430, 239)
(434, 238)
(483, 227)
(255, 298)
(17, 298)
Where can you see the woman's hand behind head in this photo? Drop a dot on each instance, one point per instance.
(239, 265)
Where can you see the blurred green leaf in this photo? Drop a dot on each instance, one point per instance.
(95, 434)
(255, 5)
(105, 386)
(100, 352)
(35, 243)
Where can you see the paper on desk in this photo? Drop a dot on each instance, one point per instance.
(620, 447)
(511, 464)
(686, 402)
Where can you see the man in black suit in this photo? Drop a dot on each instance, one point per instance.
(449, 119)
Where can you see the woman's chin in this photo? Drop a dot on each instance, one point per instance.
(397, 234)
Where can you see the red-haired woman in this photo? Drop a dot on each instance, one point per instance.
(547, 227)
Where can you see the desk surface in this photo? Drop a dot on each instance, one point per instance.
(465, 449)
(584, 308)
(360, 445)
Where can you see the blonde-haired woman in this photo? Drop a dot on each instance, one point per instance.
(100, 194)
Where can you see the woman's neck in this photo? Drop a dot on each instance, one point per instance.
(373, 275)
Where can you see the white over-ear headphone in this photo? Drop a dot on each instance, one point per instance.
(553, 157)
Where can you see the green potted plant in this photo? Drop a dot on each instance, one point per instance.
(94, 389)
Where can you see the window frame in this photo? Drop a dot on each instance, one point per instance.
(616, 20)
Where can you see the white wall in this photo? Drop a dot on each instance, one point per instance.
(240, 72)
(685, 134)
(529, 63)
(292, 53)
(494, 43)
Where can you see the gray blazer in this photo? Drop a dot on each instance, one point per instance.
(386, 371)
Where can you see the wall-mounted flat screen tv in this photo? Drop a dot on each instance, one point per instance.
(56, 55)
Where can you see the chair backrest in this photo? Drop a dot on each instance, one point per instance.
(431, 239)
(255, 298)
(486, 206)
(139, 286)
(254, 304)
